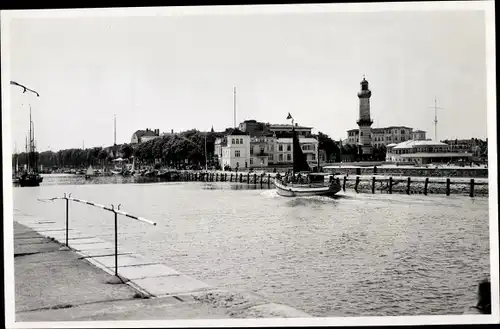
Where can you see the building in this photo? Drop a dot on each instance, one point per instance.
(267, 145)
(233, 150)
(387, 135)
(424, 152)
(141, 136)
(364, 122)
(472, 145)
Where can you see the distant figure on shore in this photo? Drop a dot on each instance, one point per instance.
(483, 305)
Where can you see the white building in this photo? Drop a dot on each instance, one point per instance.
(239, 149)
(233, 150)
(142, 136)
(423, 152)
(387, 135)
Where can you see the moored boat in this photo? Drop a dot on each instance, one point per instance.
(302, 182)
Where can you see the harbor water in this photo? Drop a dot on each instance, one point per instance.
(351, 255)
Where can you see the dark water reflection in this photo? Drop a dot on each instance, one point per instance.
(355, 254)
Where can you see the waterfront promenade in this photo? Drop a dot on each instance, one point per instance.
(53, 283)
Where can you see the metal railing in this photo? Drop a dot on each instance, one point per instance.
(116, 211)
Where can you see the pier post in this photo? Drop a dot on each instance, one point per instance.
(261, 179)
(67, 221)
(357, 183)
(248, 178)
(216, 176)
(390, 185)
(426, 184)
(408, 186)
(116, 241)
(447, 186)
(225, 177)
(345, 180)
(373, 185)
(268, 179)
(231, 178)
(241, 177)
(255, 178)
(472, 187)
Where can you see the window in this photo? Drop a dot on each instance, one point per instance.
(270, 157)
(280, 148)
(237, 153)
(288, 147)
(241, 140)
(313, 157)
(361, 134)
(261, 150)
(289, 157)
(251, 160)
(251, 151)
(237, 141)
(232, 140)
(281, 157)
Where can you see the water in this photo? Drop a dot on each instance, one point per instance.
(353, 255)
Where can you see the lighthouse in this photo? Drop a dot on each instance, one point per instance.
(364, 122)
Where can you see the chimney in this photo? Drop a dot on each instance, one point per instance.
(296, 124)
(171, 131)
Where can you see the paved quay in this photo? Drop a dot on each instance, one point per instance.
(53, 283)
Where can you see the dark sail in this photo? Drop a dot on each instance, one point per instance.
(299, 159)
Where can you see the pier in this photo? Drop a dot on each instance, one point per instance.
(360, 183)
(62, 274)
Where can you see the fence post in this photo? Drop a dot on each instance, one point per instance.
(357, 183)
(268, 179)
(261, 178)
(248, 178)
(425, 185)
(390, 185)
(373, 185)
(231, 177)
(67, 219)
(472, 187)
(116, 241)
(225, 177)
(447, 186)
(345, 180)
(255, 178)
(408, 186)
(241, 178)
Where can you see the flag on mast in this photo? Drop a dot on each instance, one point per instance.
(289, 117)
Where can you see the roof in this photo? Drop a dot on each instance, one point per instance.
(436, 155)
(287, 126)
(350, 130)
(391, 145)
(141, 133)
(413, 143)
(236, 132)
(419, 131)
(301, 140)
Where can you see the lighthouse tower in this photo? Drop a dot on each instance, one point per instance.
(364, 122)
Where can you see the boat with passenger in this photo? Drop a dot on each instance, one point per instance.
(302, 181)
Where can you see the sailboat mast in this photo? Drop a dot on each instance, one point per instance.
(206, 157)
(234, 106)
(29, 148)
(115, 130)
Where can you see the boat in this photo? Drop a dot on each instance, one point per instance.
(302, 181)
(90, 172)
(31, 177)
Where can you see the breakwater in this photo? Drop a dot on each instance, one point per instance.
(361, 183)
(412, 172)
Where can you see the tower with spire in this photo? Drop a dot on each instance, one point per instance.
(365, 122)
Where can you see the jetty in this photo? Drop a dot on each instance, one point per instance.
(63, 274)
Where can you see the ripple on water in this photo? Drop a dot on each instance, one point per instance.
(351, 255)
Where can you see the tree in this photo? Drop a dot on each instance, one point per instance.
(329, 146)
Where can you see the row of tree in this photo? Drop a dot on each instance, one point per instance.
(169, 149)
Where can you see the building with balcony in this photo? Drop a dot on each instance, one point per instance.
(424, 152)
(387, 135)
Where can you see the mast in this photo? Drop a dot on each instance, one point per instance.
(115, 129)
(234, 106)
(435, 118)
(206, 156)
(29, 150)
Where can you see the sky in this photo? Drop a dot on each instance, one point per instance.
(178, 72)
